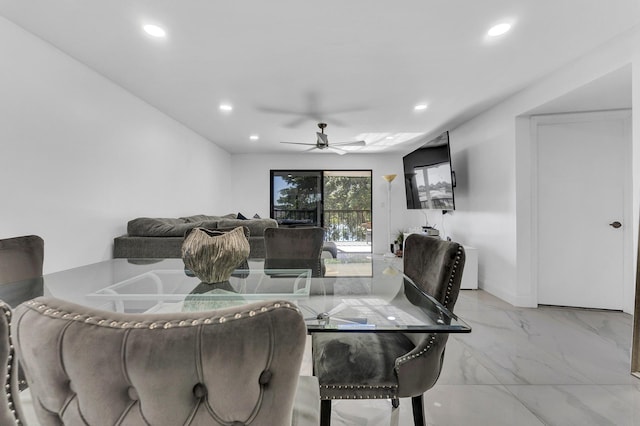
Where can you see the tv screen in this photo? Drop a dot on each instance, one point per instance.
(428, 178)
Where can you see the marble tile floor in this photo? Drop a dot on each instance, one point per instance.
(526, 367)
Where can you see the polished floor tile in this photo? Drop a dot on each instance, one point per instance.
(477, 405)
(519, 366)
(579, 405)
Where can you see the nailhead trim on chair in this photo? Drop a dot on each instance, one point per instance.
(110, 323)
(406, 358)
(432, 339)
(7, 385)
(390, 388)
(456, 262)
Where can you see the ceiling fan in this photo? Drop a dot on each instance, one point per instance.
(322, 142)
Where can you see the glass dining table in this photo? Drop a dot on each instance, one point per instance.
(366, 294)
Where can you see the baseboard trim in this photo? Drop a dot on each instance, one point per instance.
(518, 301)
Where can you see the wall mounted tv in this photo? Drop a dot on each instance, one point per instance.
(428, 178)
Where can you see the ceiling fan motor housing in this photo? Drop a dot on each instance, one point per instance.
(323, 141)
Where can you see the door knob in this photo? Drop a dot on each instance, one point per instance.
(615, 224)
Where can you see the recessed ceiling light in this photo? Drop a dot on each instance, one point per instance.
(420, 107)
(254, 137)
(499, 29)
(226, 107)
(154, 30)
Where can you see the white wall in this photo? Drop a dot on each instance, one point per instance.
(80, 156)
(491, 155)
(251, 184)
(483, 156)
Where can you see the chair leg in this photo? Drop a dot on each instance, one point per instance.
(325, 412)
(418, 410)
(395, 412)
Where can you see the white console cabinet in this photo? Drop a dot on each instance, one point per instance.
(470, 272)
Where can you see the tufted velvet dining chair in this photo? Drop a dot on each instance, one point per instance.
(233, 366)
(10, 408)
(294, 248)
(393, 365)
(21, 262)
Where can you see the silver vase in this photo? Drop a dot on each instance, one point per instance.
(213, 255)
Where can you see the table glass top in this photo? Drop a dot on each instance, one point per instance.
(366, 293)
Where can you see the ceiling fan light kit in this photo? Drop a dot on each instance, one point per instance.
(322, 142)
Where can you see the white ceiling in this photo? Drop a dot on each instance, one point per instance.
(359, 65)
(611, 91)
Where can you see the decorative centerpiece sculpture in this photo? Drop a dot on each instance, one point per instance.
(207, 297)
(212, 255)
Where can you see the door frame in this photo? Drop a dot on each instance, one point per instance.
(322, 184)
(627, 208)
(635, 341)
(320, 215)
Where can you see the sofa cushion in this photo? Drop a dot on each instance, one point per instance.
(256, 226)
(166, 247)
(163, 227)
(147, 247)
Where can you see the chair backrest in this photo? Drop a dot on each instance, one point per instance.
(294, 248)
(435, 266)
(238, 365)
(21, 259)
(10, 409)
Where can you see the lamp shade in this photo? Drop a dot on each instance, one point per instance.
(389, 178)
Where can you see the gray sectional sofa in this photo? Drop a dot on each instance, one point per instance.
(162, 237)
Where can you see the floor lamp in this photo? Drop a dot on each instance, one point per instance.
(389, 179)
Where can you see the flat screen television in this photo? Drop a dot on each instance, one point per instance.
(428, 177)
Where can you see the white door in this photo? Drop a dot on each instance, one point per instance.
(580, 193)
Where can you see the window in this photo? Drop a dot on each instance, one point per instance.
(337, 200)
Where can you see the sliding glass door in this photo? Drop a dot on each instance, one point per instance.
(337, 200)
(296, 197)
(347, 206)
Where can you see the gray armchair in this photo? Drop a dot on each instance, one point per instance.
(10, 408)
(232, 366)
(293, 248)
(393, 365)
(21, 262)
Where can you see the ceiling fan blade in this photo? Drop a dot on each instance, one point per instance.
(300, 143)
(339, 123)
(337, 150)
(355, 143)
(296, 122)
